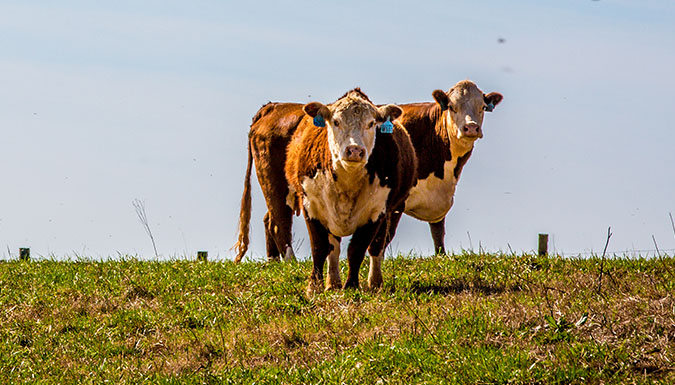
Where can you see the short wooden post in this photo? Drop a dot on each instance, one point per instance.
(24, 254)
(543, 244)
(202, 256)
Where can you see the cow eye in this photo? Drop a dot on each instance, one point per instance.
(371, 124)
(336, 123)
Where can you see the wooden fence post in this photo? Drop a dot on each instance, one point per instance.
(24, 254)
(202, 256)
(543, 245)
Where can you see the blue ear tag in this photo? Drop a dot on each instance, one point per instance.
(319, 121)
(387, 127)
(490, 107)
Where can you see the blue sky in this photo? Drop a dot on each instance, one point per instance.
(106, 102)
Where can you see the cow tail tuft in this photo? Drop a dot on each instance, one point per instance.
(244, 212)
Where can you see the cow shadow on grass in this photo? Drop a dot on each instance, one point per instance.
(462, 285)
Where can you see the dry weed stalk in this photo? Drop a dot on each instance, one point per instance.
(658, 255)
(139, 206)
(602, 263)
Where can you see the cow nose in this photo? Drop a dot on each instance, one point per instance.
(471, 129)
(355, 153)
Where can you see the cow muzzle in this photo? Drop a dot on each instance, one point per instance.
(354, 153)
(472, 130)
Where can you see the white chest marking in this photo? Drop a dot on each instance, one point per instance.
(344, 207)
(431, 199)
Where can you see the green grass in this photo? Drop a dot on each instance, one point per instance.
(460, 319)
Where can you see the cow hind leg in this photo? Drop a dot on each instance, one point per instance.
(278, 228)
(272, 249)
(375, 279)
(438, 235)
(269, 162)
(385, 233)
(283, 233)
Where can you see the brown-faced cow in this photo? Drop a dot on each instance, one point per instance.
(443, 134)
(349, 174)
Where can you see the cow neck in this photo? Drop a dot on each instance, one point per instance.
(350, 179)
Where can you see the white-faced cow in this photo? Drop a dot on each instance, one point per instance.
(350, 167)
(443, 134)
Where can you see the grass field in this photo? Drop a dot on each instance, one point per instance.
(465, 319)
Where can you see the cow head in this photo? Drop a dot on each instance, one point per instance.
(351, 123)
(464, 106)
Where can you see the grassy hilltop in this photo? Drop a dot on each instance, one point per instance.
(471, 318)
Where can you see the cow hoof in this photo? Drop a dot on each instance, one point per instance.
(314, 287)
(375, 284)
(375, 289)
(333, 285)
(352, 285)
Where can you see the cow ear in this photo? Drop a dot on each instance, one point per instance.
(442, 99)
(492, 99)
(319, 112)
(314, 108)
(389, 111)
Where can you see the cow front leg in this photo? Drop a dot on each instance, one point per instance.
(334, 281)
(438, 235)
(362, 238)
(321, 248)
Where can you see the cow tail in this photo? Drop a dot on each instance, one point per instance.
(244, 212)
